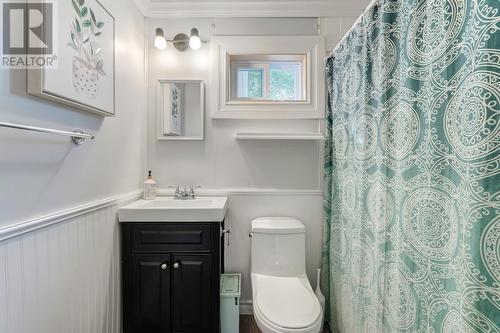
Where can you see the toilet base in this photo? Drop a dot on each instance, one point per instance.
(268, 328)
(265, 325)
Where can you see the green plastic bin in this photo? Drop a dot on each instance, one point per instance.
(230, 292)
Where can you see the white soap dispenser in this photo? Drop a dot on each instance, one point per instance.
(149, 188)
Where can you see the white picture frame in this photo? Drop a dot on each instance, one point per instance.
(85, 75)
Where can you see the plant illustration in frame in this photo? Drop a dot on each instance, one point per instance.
(85, 76)
(84, 39)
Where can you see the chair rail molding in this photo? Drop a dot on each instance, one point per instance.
(246, 192)
(20, 228)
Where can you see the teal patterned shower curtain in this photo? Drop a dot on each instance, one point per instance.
(412, 179)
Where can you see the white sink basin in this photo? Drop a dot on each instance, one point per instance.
(166, 209)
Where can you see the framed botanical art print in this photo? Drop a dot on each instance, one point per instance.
(84, 76)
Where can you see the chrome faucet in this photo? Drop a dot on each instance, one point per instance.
(186, 193)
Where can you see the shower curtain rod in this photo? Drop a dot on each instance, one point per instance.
(77, 136)
(360, 17)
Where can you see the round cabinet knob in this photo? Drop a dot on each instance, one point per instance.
(163, 266)
(176, 265)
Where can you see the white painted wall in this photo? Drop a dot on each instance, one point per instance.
(41, 173)
(334, 28)
(66, 277)
(273, 178)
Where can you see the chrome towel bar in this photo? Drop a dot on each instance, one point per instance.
(77, 136)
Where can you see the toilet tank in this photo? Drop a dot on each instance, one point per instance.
(278, 246)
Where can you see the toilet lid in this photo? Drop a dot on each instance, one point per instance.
(287, 302)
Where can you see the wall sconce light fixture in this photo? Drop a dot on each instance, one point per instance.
(181, 41)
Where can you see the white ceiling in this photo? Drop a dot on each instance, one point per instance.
(251, 8)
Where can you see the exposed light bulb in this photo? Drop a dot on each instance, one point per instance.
(160, 41)
(194, 40)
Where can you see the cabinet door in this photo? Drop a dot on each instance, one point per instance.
(151, 288)
(192, 299)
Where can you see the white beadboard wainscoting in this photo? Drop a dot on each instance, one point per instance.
(62, 273)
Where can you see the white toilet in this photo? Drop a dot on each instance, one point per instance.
(283, 300)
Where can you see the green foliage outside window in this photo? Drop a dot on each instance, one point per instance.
(282, 85)
(255, 83)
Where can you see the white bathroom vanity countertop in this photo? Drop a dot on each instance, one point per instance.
(167, 209)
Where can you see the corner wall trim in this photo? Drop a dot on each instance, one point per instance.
(23, 227)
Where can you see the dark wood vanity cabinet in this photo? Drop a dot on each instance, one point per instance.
(149, 298)
(171, 274)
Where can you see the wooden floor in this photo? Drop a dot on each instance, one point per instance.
(248, 325)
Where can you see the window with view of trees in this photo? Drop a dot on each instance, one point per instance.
(250, 82)
(271, 78)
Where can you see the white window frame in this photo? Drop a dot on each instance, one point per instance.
(225, 48)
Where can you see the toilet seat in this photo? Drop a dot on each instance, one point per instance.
(286, 304)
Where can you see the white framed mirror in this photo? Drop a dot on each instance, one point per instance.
(181, 109)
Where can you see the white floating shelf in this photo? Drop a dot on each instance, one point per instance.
(279, 136)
